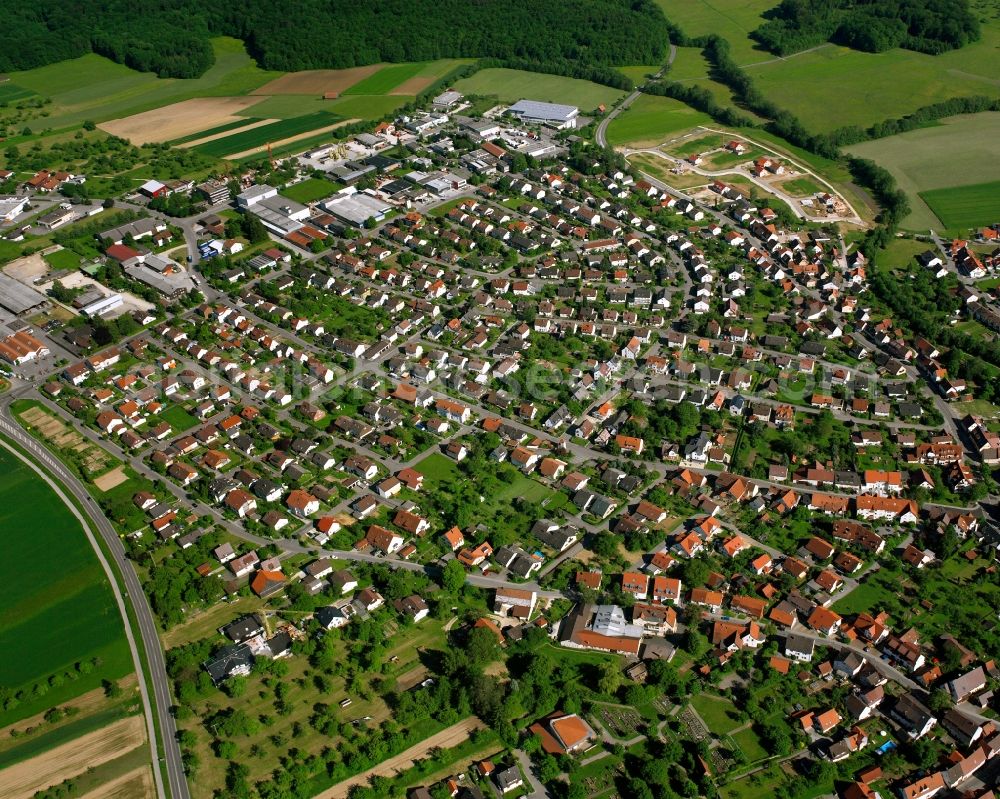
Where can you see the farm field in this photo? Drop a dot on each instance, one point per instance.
(386, 79)
(867, 87)
(56, 611)
(510, 85)
(638, 74)
(179, 120)
(732, 19)
(965, 206)
(247, 139)
(95, 88)
(650, 120)
(915, 160)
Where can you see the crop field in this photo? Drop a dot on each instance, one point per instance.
(11, 93)
(965, 206)
(260, 136)
(958, 151)
(318, 81)
(650, 120)
(732, 19)
(178, 120)
(867, 87)
(510, 85)
(55, 610)
(217, 130)
(92, 87)
(367, 106)
(386, 79)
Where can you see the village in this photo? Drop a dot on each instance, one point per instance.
(500, 379)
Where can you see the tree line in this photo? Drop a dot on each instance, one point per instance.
(928, 26)
(171, 37)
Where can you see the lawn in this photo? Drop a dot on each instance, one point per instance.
(437, 469)
(386, 79)
(93, 87)
(510, 85)
(867, 87)
(650, 120)
(965, 206)
(748, 741)
(62, 259)
(276, 131)
(867, 597)
(801, 187)
(764, 783)
(310, 190)
(915, 160)
(178, 418)
(56, 606)
(717, 712)
(900, 253)
(639, 75)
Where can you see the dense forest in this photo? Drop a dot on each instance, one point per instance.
(930, 26)
(170, 37)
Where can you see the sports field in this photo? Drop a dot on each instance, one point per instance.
(510, 85)
(965, 206)
(959, 151)
(56, 607)
(651, 120)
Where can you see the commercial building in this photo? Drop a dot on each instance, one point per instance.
(535, 112)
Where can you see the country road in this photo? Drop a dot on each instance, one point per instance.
(95, 520)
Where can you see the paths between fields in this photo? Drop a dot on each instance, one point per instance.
(147, 627)
(447, 738)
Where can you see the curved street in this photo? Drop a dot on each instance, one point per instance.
(166, 734)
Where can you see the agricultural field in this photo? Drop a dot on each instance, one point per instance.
(510, 85)
(244, 140)
(639, 74)
(57, 612)
(180, 120)
(867, 87)
(965, 206)
(916, 161)
(403, 79)
(732, 19)
(650, 120)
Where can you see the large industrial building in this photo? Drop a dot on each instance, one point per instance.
(535, 112)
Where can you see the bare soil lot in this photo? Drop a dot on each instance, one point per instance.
(23, 780)
(111, 479)
(318, 81)
(178, 119)
(452, 736)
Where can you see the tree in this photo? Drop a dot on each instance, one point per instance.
(453, 576)
(610, 679)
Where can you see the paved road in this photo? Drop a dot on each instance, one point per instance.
(178, 788)
(599, 135)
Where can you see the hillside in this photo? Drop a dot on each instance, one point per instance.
(171, 37)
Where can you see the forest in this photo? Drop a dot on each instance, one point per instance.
(928, 26)
(171, 37)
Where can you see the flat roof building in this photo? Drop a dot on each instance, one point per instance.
(17, 297)
(534, 111)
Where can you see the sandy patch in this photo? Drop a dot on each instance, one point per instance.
(318, 81)
(24, 779)
(113, 478)
(74, 280)
(291, 139)
(414, 85)
(137, 784)
(452, 736)
(178, 119)
(226, 133)
(87, 703)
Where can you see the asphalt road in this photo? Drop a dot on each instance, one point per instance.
(167, 736)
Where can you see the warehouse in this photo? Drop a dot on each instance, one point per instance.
(535, 112)
(18, 298)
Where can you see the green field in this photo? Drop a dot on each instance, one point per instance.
(958, 151)
(178, 418)
(274, 132)
(92, 87)
(56, 607)
(11, 93)
(62, 259)
(732, 19)
(717, 712)
(650, 120)
(801, 187)
(510, 85)
(368, 106)
(310, 190)
(386, 79)
(831, 87)
(235, 125)
(639, 74)
(965, 206)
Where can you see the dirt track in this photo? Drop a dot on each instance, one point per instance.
(24, 779)
(452, 736)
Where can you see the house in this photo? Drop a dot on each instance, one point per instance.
(413, 606)
(265, 583)
(514, 602)
(302, 503)
(508, 779)
(563, 734)
(453, 538)
(384, 540)
(913, 716)
(799, 647)
(968, 684)
(824, 620)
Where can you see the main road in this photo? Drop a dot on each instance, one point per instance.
(157, 673)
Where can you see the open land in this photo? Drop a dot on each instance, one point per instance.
(650, 120)
(510, 85)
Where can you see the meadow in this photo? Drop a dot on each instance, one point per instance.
(56, 607)
(734, 20)
(965, 206)
(650, 120)
(958, 151)
(510, 85)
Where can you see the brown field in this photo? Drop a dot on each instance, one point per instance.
(111, 479)
(318, 81)
(225, 133)
(65, 438)
(178, 119)
(23, 780)
(452, 736)
(137, 784)
(87, 703)
(298, 137)
(414, 85)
